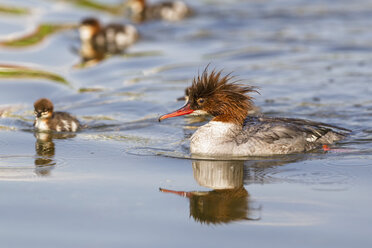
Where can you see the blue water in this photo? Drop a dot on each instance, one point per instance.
(100, 187)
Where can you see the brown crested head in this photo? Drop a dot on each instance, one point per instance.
(88, 28)
(43, 108)
(219, 96)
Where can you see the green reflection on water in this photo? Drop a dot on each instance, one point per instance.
(11, 71)
(42, 31)
(112, 9)
(13, 10)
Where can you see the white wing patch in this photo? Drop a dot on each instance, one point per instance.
(58, 128)
(66, 125)
(122, 39)
(74, 126)
(312, 138)
(177, 12)
(128, 37)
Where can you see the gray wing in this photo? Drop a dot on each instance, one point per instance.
(303, 122)
(304, 132)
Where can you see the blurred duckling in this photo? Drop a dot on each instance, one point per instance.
(140, 10)
(112, 38)
(48, 120)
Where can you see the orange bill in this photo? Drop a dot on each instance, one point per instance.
(185, 110)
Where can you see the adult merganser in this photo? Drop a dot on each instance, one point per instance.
(232, 132)
(170, 10)
(47, 120)
(113, 38)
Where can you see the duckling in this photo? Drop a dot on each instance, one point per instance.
(113, 38)
(48, 120)
(140, 10)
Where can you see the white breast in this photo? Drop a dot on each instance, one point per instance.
(214, 138)
(85, 33)
(41, 125)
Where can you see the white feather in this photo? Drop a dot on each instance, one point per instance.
(177, 12)
(213, 138)
(74, 126)
(41, 125)
(127, 38)
(66, 125)
(86, 33)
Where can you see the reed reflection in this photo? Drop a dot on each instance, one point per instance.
(45, 151)
(228, 201)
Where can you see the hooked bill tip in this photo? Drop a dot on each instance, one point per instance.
(162, 118)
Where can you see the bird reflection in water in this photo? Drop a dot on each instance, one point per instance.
(45, 151)
(228, 201)
(91, 55)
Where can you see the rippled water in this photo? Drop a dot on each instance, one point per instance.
(100, 187)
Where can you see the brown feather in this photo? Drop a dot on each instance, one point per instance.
(225, 99)
(43, 105)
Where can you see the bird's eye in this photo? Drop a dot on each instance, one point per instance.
(35, 112)
(201, 100)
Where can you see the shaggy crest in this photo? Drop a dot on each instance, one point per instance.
(220, 96)
(43, 105)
